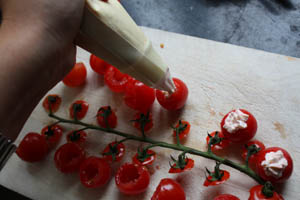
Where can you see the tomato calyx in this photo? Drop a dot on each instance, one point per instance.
(251, 150)
(113, 150)
(143, 154)
(213, 140)
(77, 107)
(52, 100)
(49, 132)
(143, 120)
(180, 163)
(181, 127)
(105, 112)
(217, 175)
(268, 189)
(74, 136)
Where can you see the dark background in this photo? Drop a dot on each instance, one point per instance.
(270, 25)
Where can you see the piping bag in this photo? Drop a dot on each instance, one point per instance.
(108, 32)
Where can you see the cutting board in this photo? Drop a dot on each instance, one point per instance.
(220, 77)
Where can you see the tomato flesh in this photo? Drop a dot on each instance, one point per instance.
(98, 65)
(132, 179)
(79, 109)
(256, 194)
(226, 197)
(177, 99)
(78, 137)
(52, 101)
(208, 181)
(111, 118)
(168, 189)
(77, 76)
(116, 80)
(32, 148)
(94, 172)
(147, 161)
(183, 134)
(189, 165)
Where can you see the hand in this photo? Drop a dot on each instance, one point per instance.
(37, 51)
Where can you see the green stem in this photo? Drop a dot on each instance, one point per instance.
(242, 168)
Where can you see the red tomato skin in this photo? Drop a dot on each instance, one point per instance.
(189, 166)
(112, 118)
(81, 114)
(222, 145)
(81, 140)
(32, 148)
(253, 158)
(176, 100)
(148, 161)
(139, 96)
(120, 154)
(168, 189)
(147, 127)
(286, 173)
(224, 178)
(98, 65)
(256, 194)
(94, 172)
(116, 80)
(183, 134)
(68, 157)
(55, 138)
(226, 197)
(54, 107)
(77, 76)
(241, 135)
(132, 179)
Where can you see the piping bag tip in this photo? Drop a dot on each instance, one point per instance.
(166, 83)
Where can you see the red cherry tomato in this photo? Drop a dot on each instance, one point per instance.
(52, 101)
(266, 174)
(79, 108)
(52, 134)
(256, 194)
(114, 152)
(111, 117)
(139, 96)
(68, 157)
(76, 76)
(141, 116)
(94, 172)
(132, 179)
(147, 161)
(116, 80)
(189, 165)
(184, 131)
(226, 197)
(208, 181)
(253, 158)
(220, 146)
(32, 148)
(98, 65)
(242, 134)
(78, 137)
(168, 189)
(176, 100)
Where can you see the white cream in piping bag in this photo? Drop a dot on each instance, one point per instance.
(235, 120)
(274, 164)
(111, 34)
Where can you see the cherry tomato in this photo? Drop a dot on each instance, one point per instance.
(114, 152)
(241, 134)
(208, 181)
(78, 137)
(116, 80)
(253, 158)
(98, 65)
(226, 197)
(94, 172)
(110, 115)
(32, 148)
(52, 101)
(273, 172)
(132, 179)
(140, 118)
(139, 96)
(147, 161)
(168, 189)
(183, 127)
(76, 76)
(256, 194)
(189, 165)
(79, 109)
(177, 99)
(68, 157)
(220, 146)
(52, 134)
